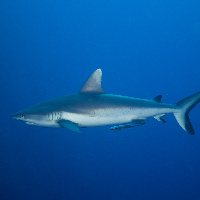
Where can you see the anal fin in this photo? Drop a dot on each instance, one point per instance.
(160, 119)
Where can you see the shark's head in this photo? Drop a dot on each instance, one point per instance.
(36, 116)
(31, 119)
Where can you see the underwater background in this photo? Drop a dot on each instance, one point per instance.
(144, 48)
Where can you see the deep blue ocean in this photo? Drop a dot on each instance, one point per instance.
(144, 48)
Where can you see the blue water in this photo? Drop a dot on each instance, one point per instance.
(144, 48)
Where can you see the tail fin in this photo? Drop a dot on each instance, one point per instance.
(185, 106)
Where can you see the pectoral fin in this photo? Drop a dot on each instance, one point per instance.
(69, 125)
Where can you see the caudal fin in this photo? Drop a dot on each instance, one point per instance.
(184, 107)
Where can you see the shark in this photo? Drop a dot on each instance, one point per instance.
(91, 107)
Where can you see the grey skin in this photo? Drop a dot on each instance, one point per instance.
(91, 106)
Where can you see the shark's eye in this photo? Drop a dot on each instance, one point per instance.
(22, 116)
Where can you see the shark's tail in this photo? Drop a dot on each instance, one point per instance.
(184, 107)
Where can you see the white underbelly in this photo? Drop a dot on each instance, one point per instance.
(97, 120)
(50, 124)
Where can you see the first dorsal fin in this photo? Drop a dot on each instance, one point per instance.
(93, 83)
(158, 98)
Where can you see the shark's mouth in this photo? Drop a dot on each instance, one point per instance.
(30, 123)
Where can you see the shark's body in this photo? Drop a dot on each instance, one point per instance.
(91, 106)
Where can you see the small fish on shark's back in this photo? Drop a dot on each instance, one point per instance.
(91, 106)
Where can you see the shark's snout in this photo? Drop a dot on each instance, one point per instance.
(18, 116)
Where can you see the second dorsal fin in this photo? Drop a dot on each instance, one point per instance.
(158, 98)
(93, 83)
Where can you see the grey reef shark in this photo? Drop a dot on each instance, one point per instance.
(91, 106)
